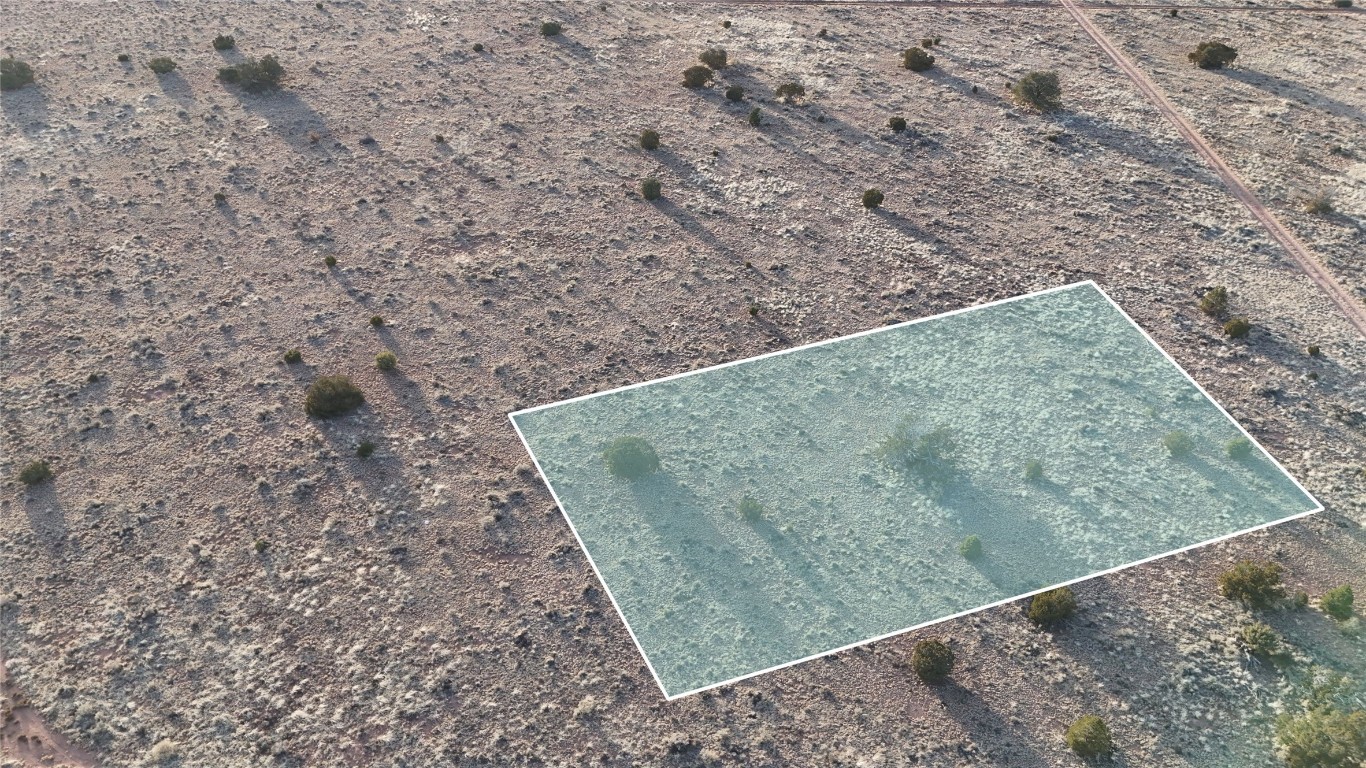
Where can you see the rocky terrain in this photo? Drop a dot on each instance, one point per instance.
(214, 578)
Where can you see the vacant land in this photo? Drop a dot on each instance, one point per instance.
(213, 577)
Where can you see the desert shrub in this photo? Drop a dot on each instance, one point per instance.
(1049, 608)
(124, 58)
(1300, 600)
(366, 449)
(927, 43)
(1034, 470)
(331, 396)
(916, 59)
(1338, 602)
(790, 91)
(1324, 736)
(1342, 3)
(735, 93)
(330, 261)
(261, 546)
(293, 356)
(1212, 55)
(224, 43)
(376, 321)
(478, 48)
(696, 76)
(35, 472)
(971, 547)
(14, 74)
(254, 75)
(220, 198)
(932, 660)
(649, 139)
(550, 28)
(1215, 301)
(750, 509)
(1254, 583)
(1089, 737)
(439, 138)
(386, 361)
(930, 457)
(1238, 448)
(1237, 328)
(1178, 443)
(1313, 350)
(1259, 639)
(713, 57)
(1039, 90)
(756, 116)
(631, 458)
(1320, 204)
(162, 65)
(872, 198)
(651, 189)
(897, 124)
(725, 24)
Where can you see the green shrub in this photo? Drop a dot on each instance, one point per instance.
(929, 457)
(261, 546)
(631, 458)
(1259, 639)
(1238, 448)
(790, 91)
(1089, 737)
(1178, 444)
(872, 198)
(1049, 608)
(330, 261)
(714, 58)
(725, 24)
(1034, 470)
(376, 321)
(366, 449)
(224, 43)
(220, 198)
(927, 43)
(124, 58)
(932, 660)
(1320, 204)
(750, 509)
(293, 356)
(1338, 602)
(1313, 350)
(35, 472)
(331, 396)
(1039, 90)
(1324, 736)
(1215, 301)
(916, 59)
(735, 93)
(971, 547)
(649, 139)
(1342, 3)
(478, 47)
(651, 189)
(696, 76)
(1254, 583)
(1212, 55)
(14, 74)
(550, 28)
(1237, 328)
(254, 75)
(756, 116)
(162, 65)
(386, 361)
(897, 124)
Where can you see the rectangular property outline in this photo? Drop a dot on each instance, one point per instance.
(1318, 506)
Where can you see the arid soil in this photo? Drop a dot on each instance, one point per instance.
(213, 578)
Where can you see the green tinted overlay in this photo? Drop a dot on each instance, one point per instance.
(752, 515)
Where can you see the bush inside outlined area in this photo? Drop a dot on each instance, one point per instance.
(759, 513)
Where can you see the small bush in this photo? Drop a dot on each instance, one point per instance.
(651, 189)
(14, 74)
(331, 396)
(1256, 584)
(386, 361)
(293, 356)
(649, 139)
(735, 93)
(916, 59)
(1039, 90)
(35, 472)
(696, 76)
(1259, 640)
(1033, 470)
(1342, 3)
(872, 198)
(897, 124)
(714, 58)
(1300, 600)
(124, 58)
(261, 546)
(254, 75)
(439, 138)
(631, 458)
(478, 47)
(1320, 204)
(1238, 448)
(1237, 328)
(1313, 350)
(750, 509)
(971, 547)
(376, 321)
(1338, 602)
(224, 43)
(162, 65)
(1089, 737)
(220, 198)
(330, 261)
(930, 457)
(1178, 444)
(1325, 736)
(1049, 608)
(1212, 55)
(932, 660)
(790, 91)
(756, 116)
(1215, 301)
(550, 28)
(365, 450)
(927, 43)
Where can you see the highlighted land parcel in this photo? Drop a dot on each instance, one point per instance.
(760, 513)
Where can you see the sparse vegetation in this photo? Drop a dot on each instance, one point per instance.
(162, 65)
(649, 139)
(261, 546)
(750, 509)
(1237, 328)
(1215, 301)
(14, 74)
(293, 356)
(1320, 204)
(1178, 444)
(916, 59)
(932, 660)
(386, 361)
(478, 48)
(1256, 584)
(1048, 608)
(1212, 55)
(1313, 350)
(35, 472)
(929, 457)
(872, 198)
(224, 43)
(1329, 731)
(1238, 448)
(927, 43)
(697, 76)
(254, 75)
(1089, 737)
(714, 58)
(1342, 3)
(376, 321)
(651, 189)
(1033, 470)
(790, 91)
(735, 93)
(220, 198)
(1040, 90)
(631, 458)
(331, 396)
(1338, 602)
(971, 547)
(897, 124)
(756, 116)
(725, 24)
(330, 261)
(550, 28)
(366, 449)
(124, 58)
(1260, 640)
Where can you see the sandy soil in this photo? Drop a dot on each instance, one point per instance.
(428, 605)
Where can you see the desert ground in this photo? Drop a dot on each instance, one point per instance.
(213, 578)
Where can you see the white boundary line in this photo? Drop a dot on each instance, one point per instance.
(1318, 507)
